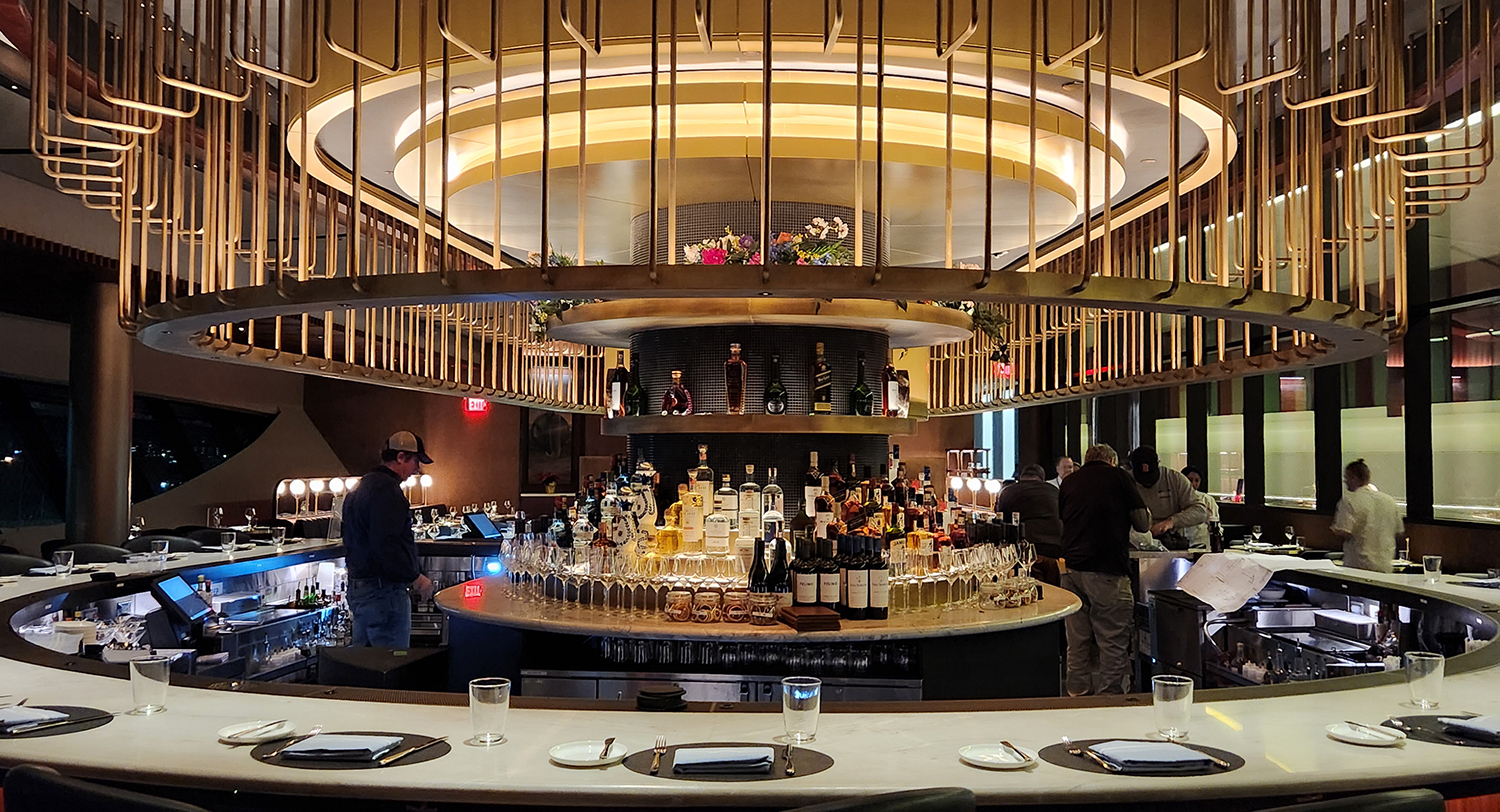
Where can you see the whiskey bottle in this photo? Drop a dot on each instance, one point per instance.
(619, 383)
(703, 477)
(861, 397)
(635, 396)
(775, 390)
(822, 383)
(677, 400)
(734, 380)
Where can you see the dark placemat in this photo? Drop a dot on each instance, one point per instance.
(1058, 754)
(100, 718)
(1429, 729)
(804, 760)
(262, 752)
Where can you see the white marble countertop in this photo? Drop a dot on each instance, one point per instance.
(495, 605)
(1281, 738)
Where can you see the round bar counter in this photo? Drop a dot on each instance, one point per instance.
(891, 746)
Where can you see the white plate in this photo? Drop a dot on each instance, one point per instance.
(1357, 735)
(229, 735)
(995, 757)
(586, 754)
(84, 627)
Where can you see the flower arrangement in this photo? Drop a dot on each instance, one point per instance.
(544, 309)
(730, 249)
(820, 242)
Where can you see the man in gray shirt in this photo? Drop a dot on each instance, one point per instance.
(1170, 498)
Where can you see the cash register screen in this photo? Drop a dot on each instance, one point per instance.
(482, 525)
(179, 595)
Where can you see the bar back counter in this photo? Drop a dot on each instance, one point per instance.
(1277, 729)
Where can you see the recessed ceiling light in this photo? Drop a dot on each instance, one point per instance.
(462, 89)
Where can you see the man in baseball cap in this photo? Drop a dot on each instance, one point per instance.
(380, 549)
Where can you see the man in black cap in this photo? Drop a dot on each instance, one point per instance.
(379, 548)
(1174, 505)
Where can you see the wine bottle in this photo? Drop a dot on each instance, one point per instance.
(677, 400)
(812, 485)
(734, 380)
(776, 396)
(822, 383)
(828, 576)
(880, 584)
(758, 576)
(727, 500)
(619, 382)
(822, 511)
(889, 391)
(703, 476)
(780, 578)
(857, 574)
(861, 397)
(635, 396)
(804, 576)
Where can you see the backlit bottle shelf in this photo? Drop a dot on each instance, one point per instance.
(758, 424)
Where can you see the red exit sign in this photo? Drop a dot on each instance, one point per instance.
(473, 590)
(476, 406)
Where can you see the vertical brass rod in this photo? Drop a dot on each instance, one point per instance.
(546, 172)
(652, 235)
(880, 232)
(765, 145)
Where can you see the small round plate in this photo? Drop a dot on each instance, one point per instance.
(995, 757)
(75, 626)
(230, 735)
(1357, 735)
(586, 754)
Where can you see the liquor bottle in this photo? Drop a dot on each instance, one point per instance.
(669, 537)
(727, 500)
(703, 477)
(852, 509)
(857, 576)
(772, 522)
(805, 576)
(758, 577)
(879, 570)
(889, 393)
(619, 382)
(822, 383)
(812, 485)
(734, 380)
(771, 496)
(1215, 537)
(861, 397)
(692, 522)
(822, 511)
(677, 400)
(635, 396)
(584, 530)
(828, 576)
(780, 578)
(750, 508)
(716, 534)
(776, 396)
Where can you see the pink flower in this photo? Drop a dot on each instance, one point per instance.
(714, 256)
(755, 258)
(801, 261)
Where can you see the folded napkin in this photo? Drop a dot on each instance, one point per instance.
(1154, 757)
(342, 747)
(1478, 727)
(723, 760)
(13, 716)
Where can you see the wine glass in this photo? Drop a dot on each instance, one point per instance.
(249, 518)
(1291, 534)
(1255, 533)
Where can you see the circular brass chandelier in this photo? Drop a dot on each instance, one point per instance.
(402, 191)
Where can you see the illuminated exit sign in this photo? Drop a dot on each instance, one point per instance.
(476, 406)
(473, 590)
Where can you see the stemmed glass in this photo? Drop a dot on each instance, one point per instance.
(1291, 534)
(249, 518)
(1255, 533)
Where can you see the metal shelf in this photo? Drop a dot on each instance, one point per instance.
(758, 424)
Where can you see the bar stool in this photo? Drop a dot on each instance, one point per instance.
(95, 553)
(1401, 800)
(940, 799)
(32, 788)
(20, 564)
(175, 544)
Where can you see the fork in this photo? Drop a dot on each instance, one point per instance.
(660, 750)
(790, 770)
(1075, 750)
(16, 704)
(311, 733)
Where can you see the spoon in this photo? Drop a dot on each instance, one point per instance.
(603, 754)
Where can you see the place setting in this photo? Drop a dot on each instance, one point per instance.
(149, 678)
(1168, 753)
(746, 761)
(1424, 683)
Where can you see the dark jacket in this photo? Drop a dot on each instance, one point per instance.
(1097, 503)
(378, 541)
(1036, 501)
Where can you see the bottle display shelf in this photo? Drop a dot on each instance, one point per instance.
(759, 424)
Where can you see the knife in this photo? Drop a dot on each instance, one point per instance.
(253, 730)
(1098, 759)
(394, 757)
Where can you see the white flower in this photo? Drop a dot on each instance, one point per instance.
(693, 254)
(840, 227)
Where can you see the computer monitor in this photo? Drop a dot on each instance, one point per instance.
(177, 597)
(480, 523)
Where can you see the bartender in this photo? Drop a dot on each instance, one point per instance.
(380, 550)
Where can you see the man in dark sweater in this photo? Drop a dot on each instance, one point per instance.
(1035, 499)
(1099, 504)
(379, 548)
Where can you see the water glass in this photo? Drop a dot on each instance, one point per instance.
(1424, 678)
(149, 677)
(226, 542)
(800, 697)
(1172, 703)
(159, 548)
(62, 561)
(1432, 567)
(489, 701)
(278, 538)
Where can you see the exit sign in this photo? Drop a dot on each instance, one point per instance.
(476, 406)
(473, 590)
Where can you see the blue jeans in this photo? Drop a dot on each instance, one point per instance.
(382, 613)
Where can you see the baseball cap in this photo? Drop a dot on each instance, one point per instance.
(406, 441)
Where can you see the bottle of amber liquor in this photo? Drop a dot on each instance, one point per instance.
(822, 383)
(734, 380)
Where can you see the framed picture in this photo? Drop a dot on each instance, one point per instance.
(549, 463)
